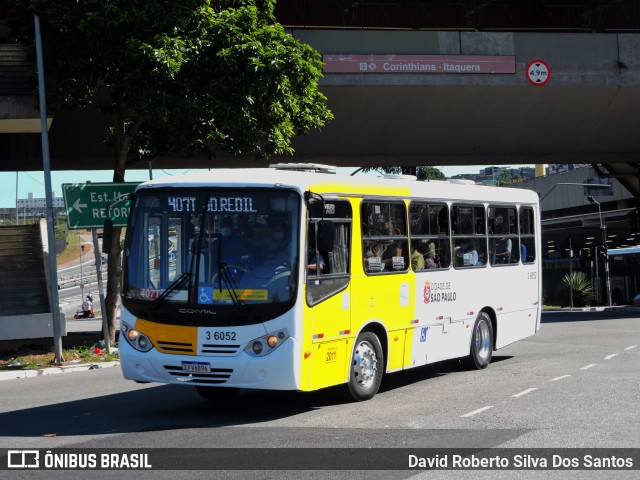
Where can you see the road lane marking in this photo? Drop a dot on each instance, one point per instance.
(559, 378)
(475, 412)
(524, 392)
(631, 347)
(609, 357)
(589, 366)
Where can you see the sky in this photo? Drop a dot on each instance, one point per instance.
(34, 182)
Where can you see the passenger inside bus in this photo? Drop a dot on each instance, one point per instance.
(315, 262)
(393, 249)
(244, 229)
(373, 256)
(232, 246)
(424, 256)
(430, 256)
(278, 247)
(226, 247)
(417, 260)
(502, 246)
(466, 254)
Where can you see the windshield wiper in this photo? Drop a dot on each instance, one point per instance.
(176, 284)
(224, 275)
(230, 284)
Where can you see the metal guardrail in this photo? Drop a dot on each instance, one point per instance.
(68, 281)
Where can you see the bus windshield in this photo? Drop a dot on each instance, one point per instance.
(212, 246)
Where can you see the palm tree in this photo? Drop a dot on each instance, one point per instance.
(578, 285)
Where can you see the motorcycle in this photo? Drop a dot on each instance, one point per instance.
(79, 315)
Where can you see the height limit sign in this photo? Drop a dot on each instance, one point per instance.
(538, 73)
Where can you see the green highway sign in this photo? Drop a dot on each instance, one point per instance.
(86, 203)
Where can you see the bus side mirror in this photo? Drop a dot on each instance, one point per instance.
(107, 236)
(325, 235)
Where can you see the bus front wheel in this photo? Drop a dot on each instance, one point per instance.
(481, 342)
(217, 394)
(367, 367)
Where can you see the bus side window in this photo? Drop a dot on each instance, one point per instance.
(469, 238)
(504, 243)
(429, 236)
(527, 235)
(384, 237)
(328, 267)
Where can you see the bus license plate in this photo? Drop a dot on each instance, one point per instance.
(199, 367)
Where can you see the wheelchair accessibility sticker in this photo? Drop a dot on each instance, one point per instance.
(423, 334)
(205, 295)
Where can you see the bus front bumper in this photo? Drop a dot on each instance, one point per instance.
(275, 371)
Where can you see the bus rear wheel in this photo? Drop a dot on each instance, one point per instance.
(367, 367)
(217, 394)
(481, 342)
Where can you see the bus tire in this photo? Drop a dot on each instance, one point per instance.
(481, 342)
(217, 394)
(367, 367)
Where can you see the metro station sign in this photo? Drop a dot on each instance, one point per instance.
(86, 203)
(450, 64)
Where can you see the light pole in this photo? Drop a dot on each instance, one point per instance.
(603, 233)
(81, 275)
(571, 272)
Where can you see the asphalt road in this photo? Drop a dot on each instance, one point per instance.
(574, 384)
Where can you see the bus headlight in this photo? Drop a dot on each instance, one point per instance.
(262, 346)
(137, 340)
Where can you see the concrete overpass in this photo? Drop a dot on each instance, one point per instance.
(588, 111)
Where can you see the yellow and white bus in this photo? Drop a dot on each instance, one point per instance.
(293, 278)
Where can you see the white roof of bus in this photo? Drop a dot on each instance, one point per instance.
(359, 184)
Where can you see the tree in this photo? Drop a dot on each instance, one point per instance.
(422, 172)
(505, 178)
(430, 173)
(192, 77)
(575, 286)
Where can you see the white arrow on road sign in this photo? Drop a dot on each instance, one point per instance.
(77, 205)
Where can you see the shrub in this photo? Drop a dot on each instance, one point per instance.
(582, 290)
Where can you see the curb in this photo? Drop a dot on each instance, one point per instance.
(18, 374)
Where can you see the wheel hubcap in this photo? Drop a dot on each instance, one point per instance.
(365, 364)
(482, 340)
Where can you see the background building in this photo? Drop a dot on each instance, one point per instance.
(574, 238)
(32, 208)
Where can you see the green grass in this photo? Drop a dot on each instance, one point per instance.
(37, 358)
